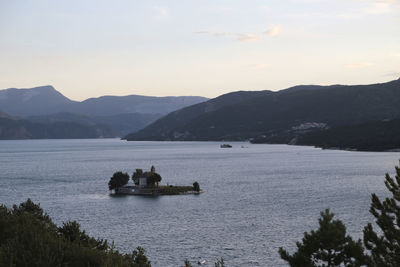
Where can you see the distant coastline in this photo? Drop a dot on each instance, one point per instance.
(357, 117)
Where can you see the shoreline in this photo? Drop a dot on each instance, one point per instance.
(157, 191)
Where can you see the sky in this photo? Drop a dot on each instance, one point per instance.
(89, 48)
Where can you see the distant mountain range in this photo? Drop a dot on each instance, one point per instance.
(360, 117)
(45, 100)
(45, 107)
(277, 117)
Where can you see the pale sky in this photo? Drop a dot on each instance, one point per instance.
(205, 47)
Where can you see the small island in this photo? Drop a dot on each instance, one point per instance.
(147, 184)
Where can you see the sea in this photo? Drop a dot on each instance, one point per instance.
(256, 198)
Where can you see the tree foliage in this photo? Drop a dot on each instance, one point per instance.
(370, 136)
(328, 246)
(138, 258)
(187, 263)
(136, 175)
(117, 180)
(385, 245)
(196, 186)
(153, 179)
(28, 237)
(157, 178)
(71, 231)
(220, 263)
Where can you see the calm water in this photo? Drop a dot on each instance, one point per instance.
(256, 199)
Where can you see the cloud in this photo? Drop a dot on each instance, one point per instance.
(379, 8)
(371, 7)
(359, 65)
(274, 31)
(259, 66)
(247, 37)
(241, 37)
(214, 33)
(395, 74)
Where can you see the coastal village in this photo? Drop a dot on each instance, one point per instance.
(147, 184)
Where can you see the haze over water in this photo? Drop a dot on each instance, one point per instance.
(257, 197)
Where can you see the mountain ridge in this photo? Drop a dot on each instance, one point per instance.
(125, 114)
(16, 129)
(45, 100)
(269, 113)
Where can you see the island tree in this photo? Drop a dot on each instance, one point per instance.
(136, 175)
(196, 186)
(117, 180)
(155, 178)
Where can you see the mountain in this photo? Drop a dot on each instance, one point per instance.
(24, 129)
(46, 100)
(369, 136)
(4, 115)
(114, 105)
(246, 115)
(124, 114)
(36, 101)
(121, 124)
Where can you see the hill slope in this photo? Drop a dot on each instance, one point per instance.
(124, 114)
(121, 124)
(23, 129)
(36, 101)
(266, 113)
(114, 105)
(370, 136)
(46, 100)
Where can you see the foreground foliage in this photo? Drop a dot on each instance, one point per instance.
(220, 263)
(385, 246)
(28, 237)
(329, 245)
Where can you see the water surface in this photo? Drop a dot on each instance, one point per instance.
(257, 197)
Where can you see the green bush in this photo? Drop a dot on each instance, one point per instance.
(28, 237)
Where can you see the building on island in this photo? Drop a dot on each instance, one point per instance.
(146, 179)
